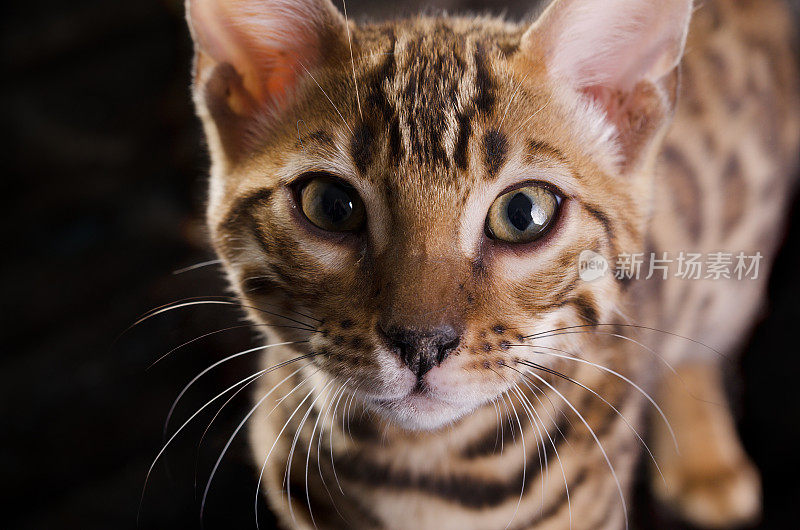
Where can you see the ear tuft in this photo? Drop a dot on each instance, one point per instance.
(270, 43)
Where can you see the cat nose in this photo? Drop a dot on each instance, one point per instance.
(422, 349)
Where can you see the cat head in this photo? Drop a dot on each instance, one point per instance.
(422, 189)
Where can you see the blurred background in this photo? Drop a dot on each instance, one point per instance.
(103, 199)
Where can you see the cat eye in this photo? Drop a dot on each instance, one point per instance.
(331, 204)
(522, 214)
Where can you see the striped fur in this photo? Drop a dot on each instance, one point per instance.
(430, 119)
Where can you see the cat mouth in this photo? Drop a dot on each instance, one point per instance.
(419, 409)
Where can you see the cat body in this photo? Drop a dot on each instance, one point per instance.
(434, 375)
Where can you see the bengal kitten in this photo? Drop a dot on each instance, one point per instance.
(403, 206)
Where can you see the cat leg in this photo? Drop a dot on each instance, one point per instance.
(711, 483)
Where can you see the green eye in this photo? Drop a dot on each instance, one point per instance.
(522, 215)
(332, 204)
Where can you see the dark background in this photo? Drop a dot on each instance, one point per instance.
(103, 194)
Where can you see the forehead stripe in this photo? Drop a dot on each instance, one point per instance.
(537, 148)
(495, 145)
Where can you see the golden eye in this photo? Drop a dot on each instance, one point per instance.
(522, 215)
(332, 204)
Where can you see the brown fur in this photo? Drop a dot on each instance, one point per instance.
(431, 115)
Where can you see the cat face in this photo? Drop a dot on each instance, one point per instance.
(422, 190)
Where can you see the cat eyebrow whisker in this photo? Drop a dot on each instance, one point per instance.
(327, 97)
(511, 100)
(352, 60)
(536, 113)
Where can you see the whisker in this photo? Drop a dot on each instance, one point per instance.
(221, 361)
(287, 477)
(619, 336)
(352, 60)
(339, 392)
(231, 299)
(198, 266)
(498, 426)
(327, 97)
(511, 100)
(604, 400)
(597, 441)
(231, 328)
(308, 460)
(201, 409)
(219, 302)
(524, 465)
(615, 373)
(330, 438)
(278, 437)
(540, 447)
(636, 326)
(525, 381)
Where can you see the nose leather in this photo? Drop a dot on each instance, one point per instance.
(422, 349)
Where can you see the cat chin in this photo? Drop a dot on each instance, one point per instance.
(420, 412)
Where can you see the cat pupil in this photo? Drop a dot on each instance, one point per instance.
(520, 211)
(336, 204)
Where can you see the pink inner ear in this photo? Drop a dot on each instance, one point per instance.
(270, 43)
(614, 43)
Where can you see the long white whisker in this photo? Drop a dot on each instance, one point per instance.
(198, 266)
(227, 446)
(330, 437)
(352, 60)
(278, 437)
(215, 332)
(333, 403)
(173, 307)
(555, 449)
(616, 335)
(288, 474)
(231, 398)
(524, 465)
(201, 409)
(616, 374)
(221, 361)
(622, 416)
(633, 326)
(597, 441)
(539, 442)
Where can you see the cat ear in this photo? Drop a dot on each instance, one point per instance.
(265, 46)
(621, 53)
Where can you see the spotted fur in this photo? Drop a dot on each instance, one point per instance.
(430, 119)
